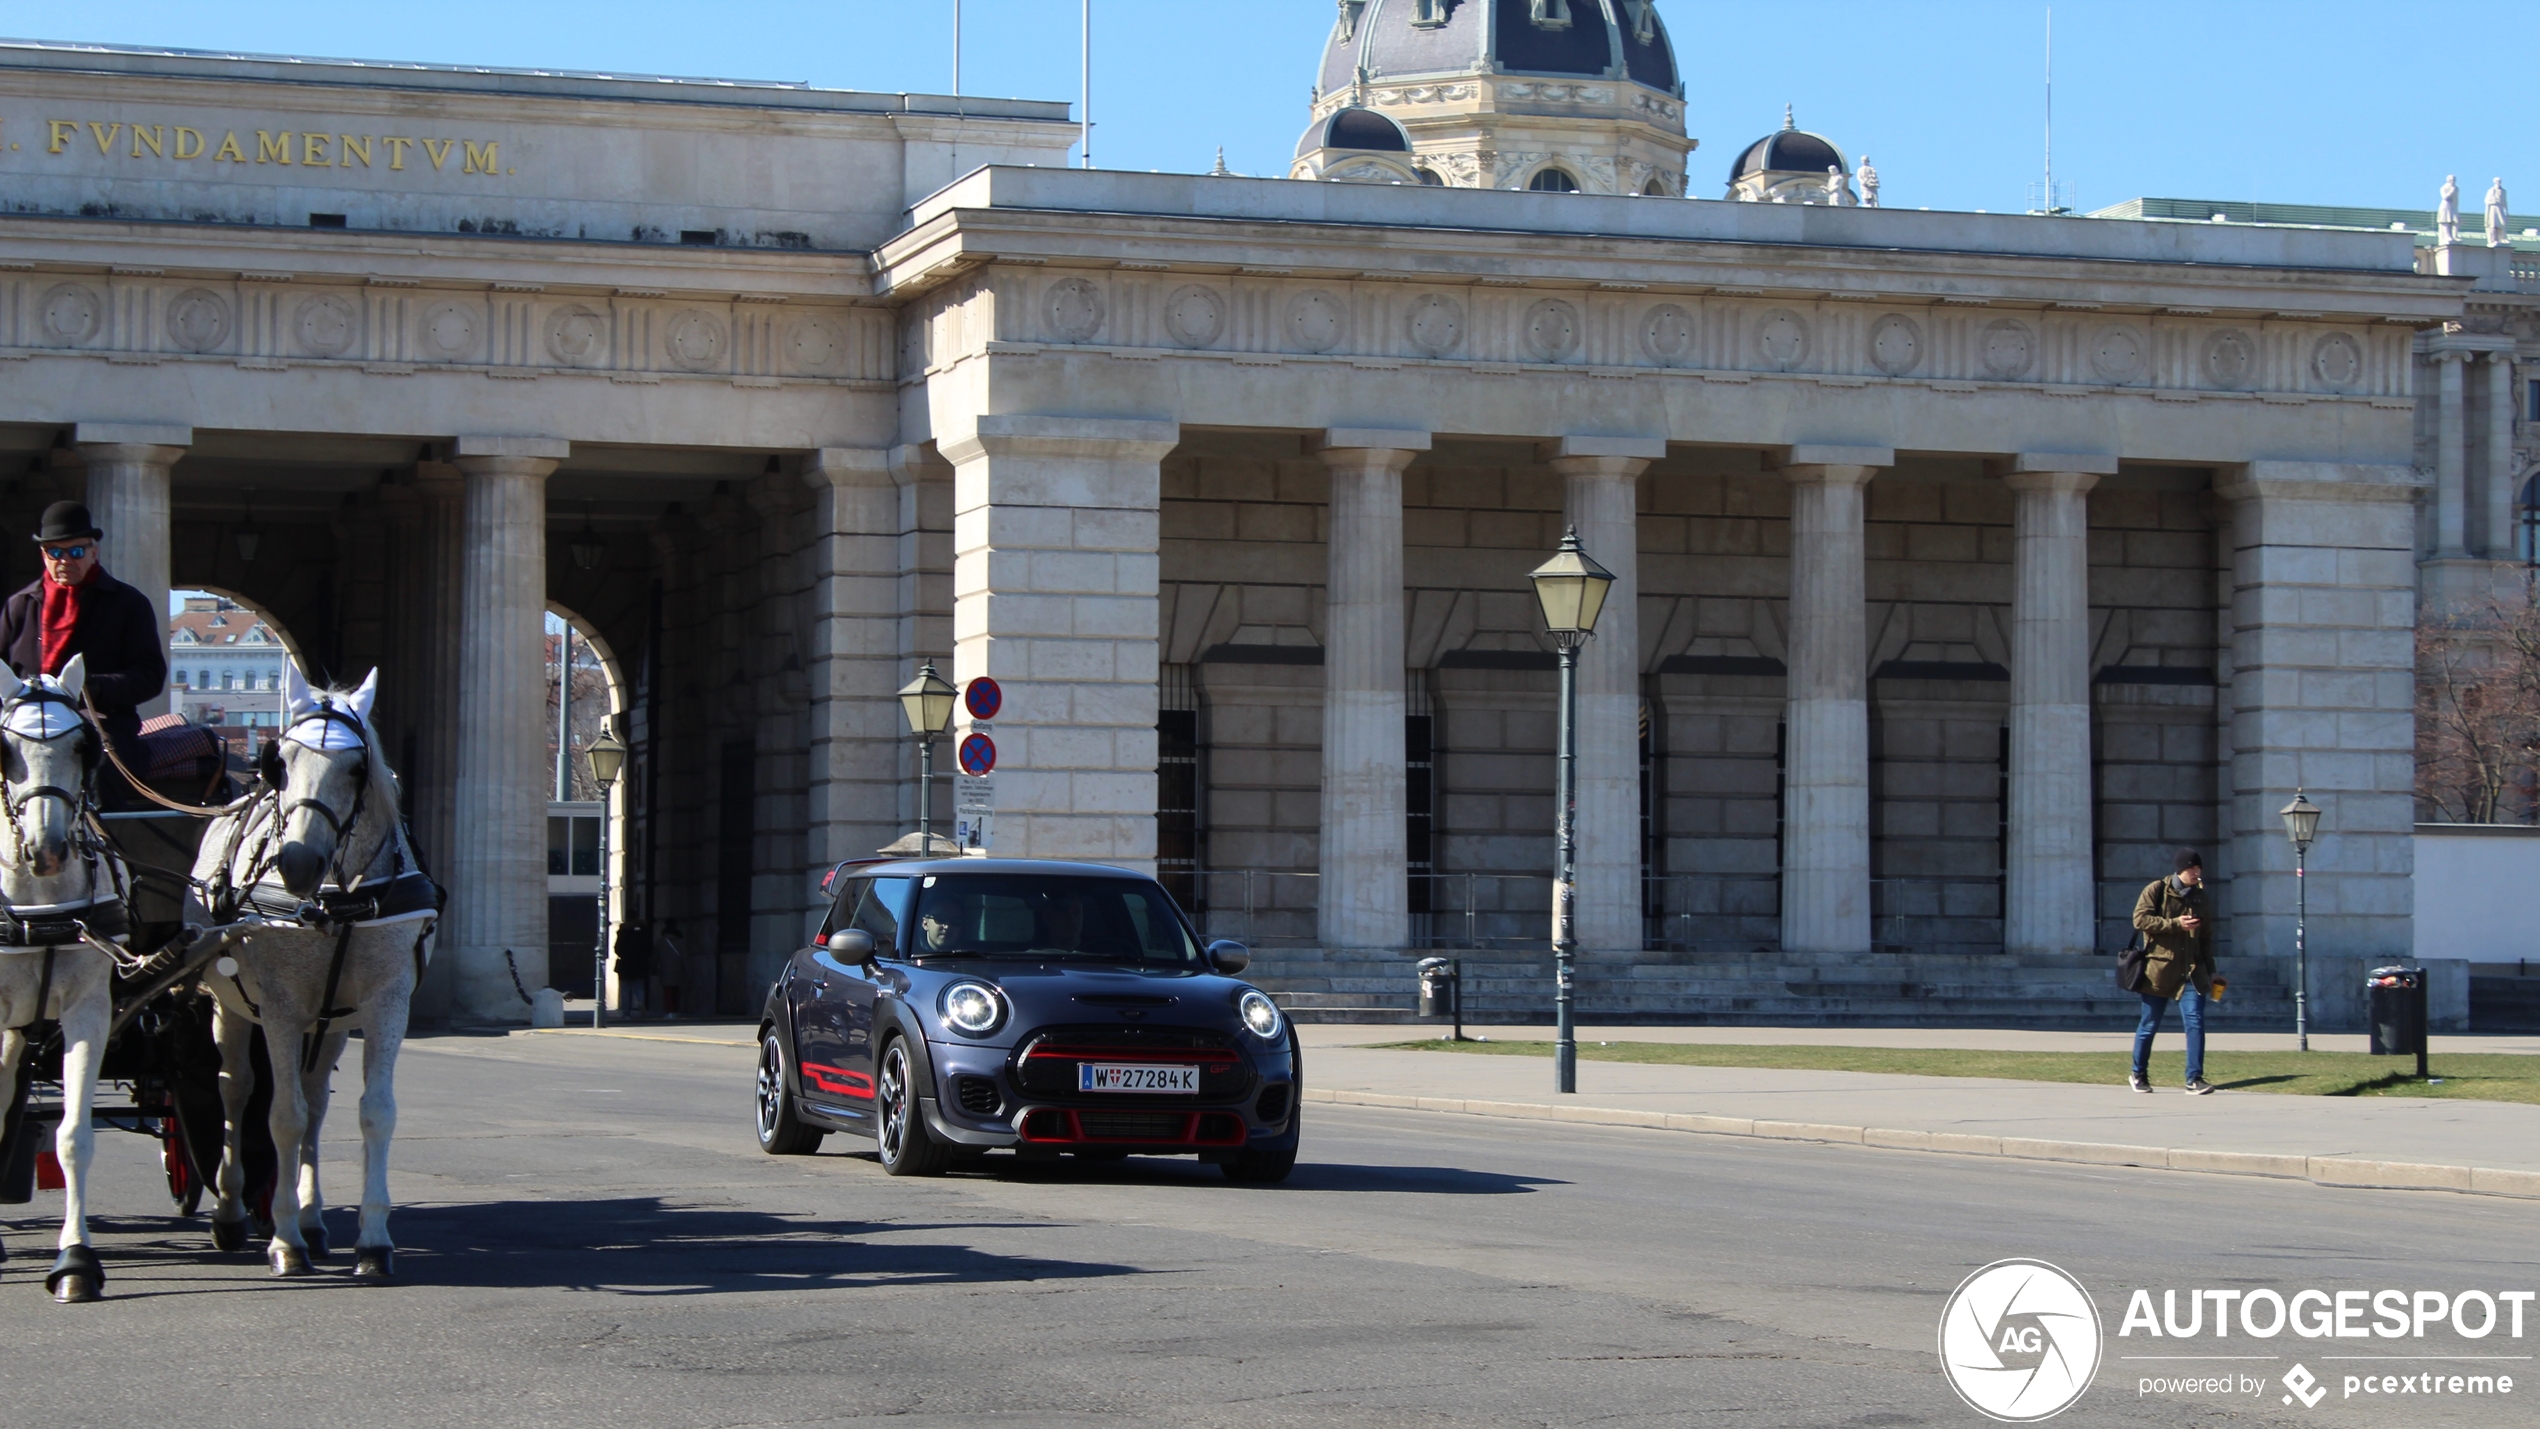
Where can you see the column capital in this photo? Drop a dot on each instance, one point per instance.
(1349, 439)
(2061, 483)
(914, 463)
(133, 434)
(1117, 438)
(826, 467)
(438, 478)
(1849, 466)
(2078, 463)
(551, 449)
(1641, 449)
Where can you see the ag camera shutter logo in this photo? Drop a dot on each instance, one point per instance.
(2019, 1341)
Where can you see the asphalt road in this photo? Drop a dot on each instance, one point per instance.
(591, 1238)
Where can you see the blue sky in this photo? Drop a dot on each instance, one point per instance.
(2323, 101)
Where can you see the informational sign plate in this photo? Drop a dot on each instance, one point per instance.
(975, 796)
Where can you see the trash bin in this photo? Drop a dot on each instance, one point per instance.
(2396, 1010)
(1439, 986)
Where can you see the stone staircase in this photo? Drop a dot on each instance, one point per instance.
(1757, 989)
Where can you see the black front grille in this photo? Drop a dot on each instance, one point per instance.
(1273, 1106)
(1132, 1125)
(978, 1095)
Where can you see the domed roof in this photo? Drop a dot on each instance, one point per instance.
(1354, 129)
(1789, 150)
(1398, 39)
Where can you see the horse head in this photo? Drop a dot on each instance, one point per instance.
(48, 750)
(339, 805)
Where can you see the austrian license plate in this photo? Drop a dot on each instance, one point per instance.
(1134, 1077)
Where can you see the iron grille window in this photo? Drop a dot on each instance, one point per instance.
(1177, 789)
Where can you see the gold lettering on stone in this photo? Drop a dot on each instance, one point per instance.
(397, 152)
(105, 135)
(349, 147)
(153, 135)
(229, 149)
(479, 161)
(306, 149)
(313, 151)
(63, 129)
(440, 155)
(272, 149)
(183, 134)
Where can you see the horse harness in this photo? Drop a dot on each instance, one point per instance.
(97, 922)
(408, 895)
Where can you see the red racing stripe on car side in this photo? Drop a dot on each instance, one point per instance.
(838, 1081)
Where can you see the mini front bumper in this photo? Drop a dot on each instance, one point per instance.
(1264, 1119)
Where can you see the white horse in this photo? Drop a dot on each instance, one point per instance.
(327, 923)
(59, 932)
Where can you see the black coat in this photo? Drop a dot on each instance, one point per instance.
(126, 643)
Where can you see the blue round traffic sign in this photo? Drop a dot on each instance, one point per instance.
(984, 698)
(978, 755)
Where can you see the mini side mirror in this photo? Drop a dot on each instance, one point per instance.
(851, 944)
(1228, 956)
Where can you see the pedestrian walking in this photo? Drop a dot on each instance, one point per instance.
(2174, 915)
(670, 967)
(634, 969)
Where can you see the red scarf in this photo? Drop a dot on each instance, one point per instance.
(61, 619)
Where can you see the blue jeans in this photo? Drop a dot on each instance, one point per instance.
(2191, 1010)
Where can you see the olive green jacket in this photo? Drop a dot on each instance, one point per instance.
(2174, 957)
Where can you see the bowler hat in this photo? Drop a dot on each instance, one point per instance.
(66, 521)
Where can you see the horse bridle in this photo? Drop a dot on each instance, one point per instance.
(15, 806)
(341, 826)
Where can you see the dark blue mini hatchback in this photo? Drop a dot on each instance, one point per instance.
(954, 1007)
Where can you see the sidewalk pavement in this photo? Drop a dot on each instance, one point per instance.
(2490, 1148)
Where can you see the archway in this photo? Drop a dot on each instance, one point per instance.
(225, 659)
(586, 832)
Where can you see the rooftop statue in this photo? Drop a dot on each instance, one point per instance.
(2447, 215)
(2496, 236)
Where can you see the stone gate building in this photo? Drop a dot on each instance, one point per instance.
(1966, 563)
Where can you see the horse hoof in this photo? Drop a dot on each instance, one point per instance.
(229, 1237)
(376, 1265)
(76, 1278)
(289, 1260)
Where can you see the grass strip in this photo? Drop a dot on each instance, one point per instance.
(2488, 1076)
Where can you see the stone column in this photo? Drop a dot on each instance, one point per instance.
(1364, 898)
(852, 653)
(2451, 435)
(2050, 903)
(2324, 684)
(1055, 523)
(128, 465)
(498, 877)
(2502, 538)
(423, 681)
(1601, 498)
(1826, 763)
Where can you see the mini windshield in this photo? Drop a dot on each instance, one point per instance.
(1112, 920)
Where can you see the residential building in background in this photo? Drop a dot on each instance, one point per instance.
(224, 665)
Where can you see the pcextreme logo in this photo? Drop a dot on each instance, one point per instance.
(2019, 1341)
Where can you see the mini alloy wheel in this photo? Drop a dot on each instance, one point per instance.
(780, 1132)
(900, 1133)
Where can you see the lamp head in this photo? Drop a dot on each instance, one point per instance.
(1571, 588)
(2301, 820)
(928, 702)
(608, 757)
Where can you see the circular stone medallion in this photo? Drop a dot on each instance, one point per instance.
(694, 341)
(447, 330)
(576, 336)
(1896, 344)
(2231, 358)
(1315, 320)
(1075, 310)
(1781, 336)
(817, 346)
(198, 320)
(1194, 316)
(1551, 330)
(70, 313)
(1666, 334)
(2337, 360)
(327, 324)
(2116, 354)
(1436, 323)
(2008, 349)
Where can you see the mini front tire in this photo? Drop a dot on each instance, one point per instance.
(780, 1131)
(900, 1126)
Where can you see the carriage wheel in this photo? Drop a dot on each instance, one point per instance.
(184, 1187)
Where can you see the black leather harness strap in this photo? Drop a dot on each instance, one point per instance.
(327, 1010)
(43, 984)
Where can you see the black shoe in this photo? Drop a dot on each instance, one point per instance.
(2197, 1088)
(2135, 1080)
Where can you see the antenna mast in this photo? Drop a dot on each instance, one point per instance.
(1085, 48)
(2049, 205)
(956, 49)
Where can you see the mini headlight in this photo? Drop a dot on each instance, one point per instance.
(1260, 1014)
(973, 1007)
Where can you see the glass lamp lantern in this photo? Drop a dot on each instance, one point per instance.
(1571, 588)
(928, 702)
(2301, 820)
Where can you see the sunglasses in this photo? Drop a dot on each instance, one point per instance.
(64, 553)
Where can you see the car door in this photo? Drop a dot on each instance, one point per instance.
(828, 1077)
(853, 986)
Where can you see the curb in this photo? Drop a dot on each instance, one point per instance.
(2319, 1170)
(628, 1036)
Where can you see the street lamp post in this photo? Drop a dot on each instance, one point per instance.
(2301, 825)
(608, 759)
(928, 703)
(1571, 589)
